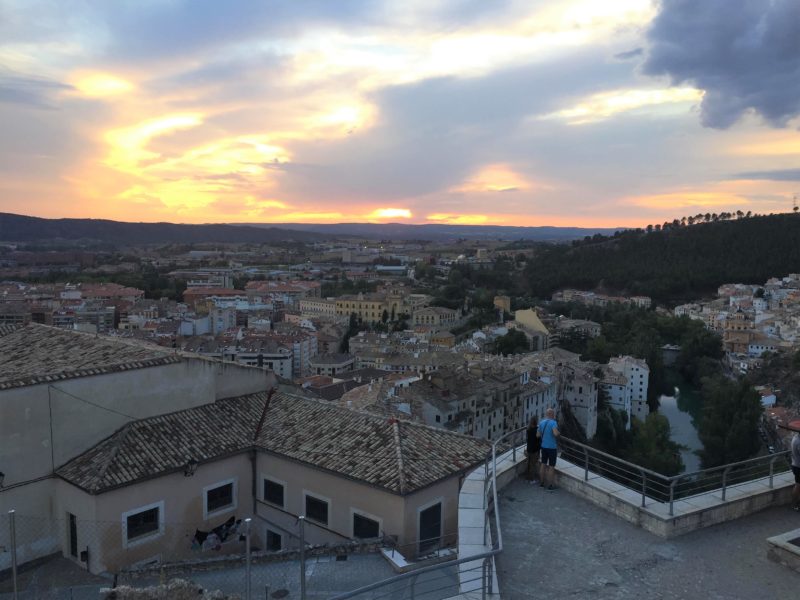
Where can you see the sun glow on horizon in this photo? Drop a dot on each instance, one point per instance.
(389, 213)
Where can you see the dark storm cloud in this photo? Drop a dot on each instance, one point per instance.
(744, 54)
(776, 175)
(33, 92)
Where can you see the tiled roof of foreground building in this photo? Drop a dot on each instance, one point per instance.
(398, 456)
(36, 354)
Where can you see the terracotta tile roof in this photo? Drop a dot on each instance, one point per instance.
(37, 354)
(398, 456)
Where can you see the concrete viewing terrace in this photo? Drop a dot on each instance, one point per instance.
(558, 545)
(593, 538)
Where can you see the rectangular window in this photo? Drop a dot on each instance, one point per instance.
(365, 528)
(316, 510)
(274, 541)
(142, 523)
(73, 535)
(273, 492)
(219, 498)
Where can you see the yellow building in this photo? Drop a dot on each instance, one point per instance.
(503, 302)
(444, 339)
(367, 307)
(529, 323)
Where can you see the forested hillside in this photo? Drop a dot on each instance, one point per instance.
(21, 228)
(675, 262)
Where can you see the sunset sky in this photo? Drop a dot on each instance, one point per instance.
(508, 112)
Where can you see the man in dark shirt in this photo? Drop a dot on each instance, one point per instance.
(533, 450)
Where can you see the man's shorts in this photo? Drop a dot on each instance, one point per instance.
(549, 456)
(796, 471)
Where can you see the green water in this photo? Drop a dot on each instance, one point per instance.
(683, 409)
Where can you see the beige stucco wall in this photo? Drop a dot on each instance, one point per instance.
(36, 534)
(344, 496)
(25, 413)
(444, 491)
(398, 515)
(183, 500)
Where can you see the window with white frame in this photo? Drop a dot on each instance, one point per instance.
(219, 497)
(142, 523)
(365, 527)
(317, 509)
(274, 492)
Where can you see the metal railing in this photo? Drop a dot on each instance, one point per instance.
(665, 489)
(475, 569)
(475, 572)
(651, 485)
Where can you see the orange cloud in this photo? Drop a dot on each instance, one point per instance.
(129, 144)
(494, 178)
(784, 142)
(680, 200)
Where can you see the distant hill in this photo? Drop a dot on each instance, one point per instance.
(20, 228)
(677, 264)
(435, 232)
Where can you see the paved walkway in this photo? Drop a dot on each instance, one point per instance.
(560, 546)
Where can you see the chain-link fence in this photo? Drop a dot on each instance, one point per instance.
(75, 559)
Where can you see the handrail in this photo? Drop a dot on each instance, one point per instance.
(628, 473)
(649, 478)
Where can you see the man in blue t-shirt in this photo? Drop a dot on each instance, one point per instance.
(548, 432)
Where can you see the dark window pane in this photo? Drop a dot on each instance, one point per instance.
(219, 497)
(430, 528)
(73, 535)
(273, 492)
(364, 527)
(317, 510)
(273, 541)
(142, 523)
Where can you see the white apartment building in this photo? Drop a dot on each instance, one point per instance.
(637, 373)
(618, 393)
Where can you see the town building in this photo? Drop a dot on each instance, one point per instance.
(62, 392)
(331, 364)
(528, 322)
(637, 374)
(435, 317)
(270, 457)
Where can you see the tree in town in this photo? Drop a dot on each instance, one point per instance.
(514, 342)
(729, 425)
(652, 448)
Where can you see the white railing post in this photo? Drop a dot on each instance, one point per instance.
(302, 521)
(247, 583)
(12, 528)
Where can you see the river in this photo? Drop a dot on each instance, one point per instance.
(678, 409)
